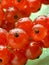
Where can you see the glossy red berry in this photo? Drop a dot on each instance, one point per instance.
(34, 5)
(25, 24)
(38, 32)
(33, 51)
(44, 20)
(18, 38)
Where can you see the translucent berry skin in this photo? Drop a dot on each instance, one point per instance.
(25, 24)
(45, 2)
(34, 5)
(44, 20)
(39, 32)
(19, 59)
(4, 55)
(3, 37)
(33, 51)
(18, 38)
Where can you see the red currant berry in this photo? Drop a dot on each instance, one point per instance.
(18, 38)
(33, 51)
(38, 32)
(34, 5)
(44, 20)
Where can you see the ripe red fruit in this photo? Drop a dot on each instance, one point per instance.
(34, 5)
(4, 55)
(3, 37)
(38, 32)
(19, 59)
(45, 2)
(25, 24)
(18, 38)
(33, 51)
(44, 20)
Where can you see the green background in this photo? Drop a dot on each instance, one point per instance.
(44, 58)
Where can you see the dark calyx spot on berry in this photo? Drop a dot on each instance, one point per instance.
(16, 35)
(18, 0)
(38, 57)
(37, 31)
(38, 9)
(15, 17)
(0, 60)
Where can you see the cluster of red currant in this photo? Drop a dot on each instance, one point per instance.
(22, 39)
(12, 10)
